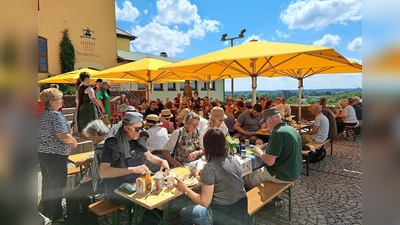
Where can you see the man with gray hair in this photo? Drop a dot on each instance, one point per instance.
(78, 198)
(357, 101)
(122, 160)
(282, 158)
(320, 129)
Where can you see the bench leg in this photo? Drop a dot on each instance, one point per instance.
(308, 164)
(166, 213)
(290, 203)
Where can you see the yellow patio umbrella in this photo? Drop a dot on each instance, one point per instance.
(71, 77)
(144, 71)
(257, 58)
(67, 78)
(301, 73)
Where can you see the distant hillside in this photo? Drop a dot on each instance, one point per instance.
(309, 96)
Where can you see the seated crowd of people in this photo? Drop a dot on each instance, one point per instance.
(160, 136)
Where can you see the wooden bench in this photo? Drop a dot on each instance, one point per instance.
(104, 207)
(354, 130)
(267, 192)
(315, 146)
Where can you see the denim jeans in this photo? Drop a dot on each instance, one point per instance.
(195, 214)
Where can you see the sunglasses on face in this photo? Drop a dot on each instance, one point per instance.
(136, 129)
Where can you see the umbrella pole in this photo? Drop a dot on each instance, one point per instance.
(254, 80)
(208, 89)
(300, 82)
(148, 91)
(232, 93)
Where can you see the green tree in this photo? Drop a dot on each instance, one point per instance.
(67, 53)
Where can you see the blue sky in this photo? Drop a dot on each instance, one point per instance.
(186, 29)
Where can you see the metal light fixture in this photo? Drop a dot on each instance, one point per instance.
(223, 38)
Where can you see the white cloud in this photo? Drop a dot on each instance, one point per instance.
(355, 45)
(281, 34)
(308, 14)
(356, 60)
(328, 40)
(176, 12)
(155, 38)
(164, 33)
(145, 11)
(127, 13)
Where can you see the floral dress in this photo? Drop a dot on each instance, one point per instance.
(186, 144)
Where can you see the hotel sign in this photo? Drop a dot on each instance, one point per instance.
(88, 45)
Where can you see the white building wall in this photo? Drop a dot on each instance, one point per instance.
(217, 93)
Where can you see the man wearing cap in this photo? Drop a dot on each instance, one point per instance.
(158, 137)
(248, 123)
(122, 159)
(98, 85)
(283, 161)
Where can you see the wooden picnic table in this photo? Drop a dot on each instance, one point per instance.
(76, 157)
(159, 200)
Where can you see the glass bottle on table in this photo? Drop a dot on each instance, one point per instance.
(148, 181)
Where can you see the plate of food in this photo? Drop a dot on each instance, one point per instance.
(190, 181)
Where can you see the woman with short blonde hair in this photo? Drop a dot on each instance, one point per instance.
(54, 145)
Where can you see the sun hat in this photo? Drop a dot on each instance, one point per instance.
(133, 117)
(183, 113)
(166, 113)
(269, 112)
(153, 119)
(218, 113)
(130, 109)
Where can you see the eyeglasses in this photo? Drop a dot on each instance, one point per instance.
(166, 118)
(194, 124)
(136, 129)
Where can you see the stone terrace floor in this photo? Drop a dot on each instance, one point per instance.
(332, 193)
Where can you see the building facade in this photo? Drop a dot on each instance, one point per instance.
(98, 44)
(91, 28)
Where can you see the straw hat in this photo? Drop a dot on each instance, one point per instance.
(183, 113)
(166, 113)
(153, 119)
(218, 113)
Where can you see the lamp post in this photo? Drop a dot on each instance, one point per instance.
(223, 38)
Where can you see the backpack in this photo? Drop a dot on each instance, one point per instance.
(318, 155)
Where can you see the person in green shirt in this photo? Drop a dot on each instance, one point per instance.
(283, 160)
(104, 97)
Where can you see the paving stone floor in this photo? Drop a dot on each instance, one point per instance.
(332, 193)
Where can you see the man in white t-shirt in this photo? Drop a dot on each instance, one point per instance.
(158, 137)
(320, 129)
